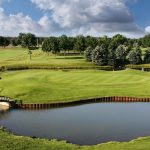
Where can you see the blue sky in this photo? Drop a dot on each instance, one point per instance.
(24, 6)
(140, 11)
(72, 17)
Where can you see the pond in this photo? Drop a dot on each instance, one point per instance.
(85, 125)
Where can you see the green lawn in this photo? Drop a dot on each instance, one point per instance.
(10, 53)
(10, 142)
(41, 86)
(19, 56)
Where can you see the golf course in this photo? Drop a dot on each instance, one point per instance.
(74, 75)
(62, 85)
(41, 86)
(49, 78)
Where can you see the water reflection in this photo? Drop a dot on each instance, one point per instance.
(4, 113)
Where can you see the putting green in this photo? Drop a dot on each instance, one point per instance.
(39, 86)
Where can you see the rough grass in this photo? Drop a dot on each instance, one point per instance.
(9, 141)
(39, 86)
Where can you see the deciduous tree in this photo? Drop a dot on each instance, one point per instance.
(100, 55)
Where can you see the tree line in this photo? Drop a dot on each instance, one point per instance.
(116, 51)
(119, 57)
(79, 42)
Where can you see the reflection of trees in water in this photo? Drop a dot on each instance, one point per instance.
(4, 114)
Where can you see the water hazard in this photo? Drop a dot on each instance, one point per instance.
(85, 125)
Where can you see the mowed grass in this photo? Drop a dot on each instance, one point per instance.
(11, 142)
(10, 53)
(19, 56)
(39, 86)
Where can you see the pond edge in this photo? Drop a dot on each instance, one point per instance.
(81, 102)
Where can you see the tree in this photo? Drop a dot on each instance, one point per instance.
(147, 56)
(63, 43)
(104, 40)
(14, 42)
(51, 45)
(119, 39)
(100, 55)
(71, 42)
(135, 56)
(20, 39)
(28, 41)
(90, 41)
(88, 54)
(1, 40)
(130, 42)
(111, 57)
(46, 46)
(121, 52)
(116, 41)
(121, 55)
(80, 43)
(146, 41)
(4, 41)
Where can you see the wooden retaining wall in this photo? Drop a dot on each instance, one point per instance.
(80, 102)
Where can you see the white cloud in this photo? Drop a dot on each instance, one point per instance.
(95, 17)
(12, 25)
(77, 12)
(147, 29)
(88, 17)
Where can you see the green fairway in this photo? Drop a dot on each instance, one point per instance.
(9, 141)
(34, 86)
(10, 53)
(19, 56)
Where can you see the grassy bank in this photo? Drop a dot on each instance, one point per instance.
(39, 86)
(9, 141)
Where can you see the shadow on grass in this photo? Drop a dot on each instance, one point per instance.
(67, 57)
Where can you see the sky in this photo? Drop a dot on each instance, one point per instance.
(74, 17)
